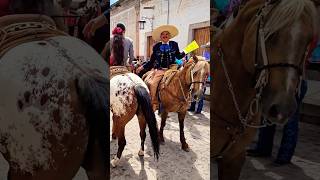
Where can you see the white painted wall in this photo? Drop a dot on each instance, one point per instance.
(182, 13)
(128, 18)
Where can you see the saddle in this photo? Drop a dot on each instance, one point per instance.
(118, 70)
(167, 77)
(22, 28)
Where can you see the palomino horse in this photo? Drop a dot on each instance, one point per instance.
(54, 101)
(129, 96)
(176, 91)
(259, 60)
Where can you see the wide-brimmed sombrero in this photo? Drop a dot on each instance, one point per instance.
(170, 28)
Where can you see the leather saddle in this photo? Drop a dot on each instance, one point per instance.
(167, 77)
(21, 28)
(118, 70)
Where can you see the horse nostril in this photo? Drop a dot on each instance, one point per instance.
(273, 112)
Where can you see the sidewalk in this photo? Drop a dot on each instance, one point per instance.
(311, 104)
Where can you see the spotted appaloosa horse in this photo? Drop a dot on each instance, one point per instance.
(259, 59)
(54, 101)
(129, 96)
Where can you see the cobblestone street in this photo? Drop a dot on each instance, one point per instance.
(174, 163)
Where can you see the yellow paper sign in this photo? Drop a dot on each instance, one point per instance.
(191, 47)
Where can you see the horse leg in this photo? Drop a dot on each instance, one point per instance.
(230, 168)
(164, 116)
(121, 144)
(184, 145)
(142, 124)
(113, 130)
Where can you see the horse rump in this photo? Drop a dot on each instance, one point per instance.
(145, 106)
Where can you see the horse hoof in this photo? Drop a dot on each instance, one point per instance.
(185, 147)
(115, 162)
(141, 153)
(161, 140)
(114, 136)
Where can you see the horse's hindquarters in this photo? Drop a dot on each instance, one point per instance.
(44, 134)
(42, 126)
(122, 95)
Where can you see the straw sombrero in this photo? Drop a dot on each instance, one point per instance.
(170, 28)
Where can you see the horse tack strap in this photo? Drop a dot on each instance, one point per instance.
(168, 76)
(235, 132)
(118, 70)
(18, 29)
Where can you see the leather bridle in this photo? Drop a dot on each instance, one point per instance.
(262, 70)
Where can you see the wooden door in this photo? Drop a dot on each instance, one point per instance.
(202, 36)
(150, 44)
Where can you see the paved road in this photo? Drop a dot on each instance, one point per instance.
(305, 163)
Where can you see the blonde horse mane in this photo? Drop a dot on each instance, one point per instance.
(288, 11)
(201, 63)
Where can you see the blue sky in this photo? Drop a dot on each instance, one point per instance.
(113, 1)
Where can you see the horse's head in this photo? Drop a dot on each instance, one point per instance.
(275, 43)
(198, 69)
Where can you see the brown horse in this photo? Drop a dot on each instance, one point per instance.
(54, 99)
(129, 96)
(176, 93)
(259, 59)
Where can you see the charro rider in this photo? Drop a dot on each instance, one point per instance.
(164, 54)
